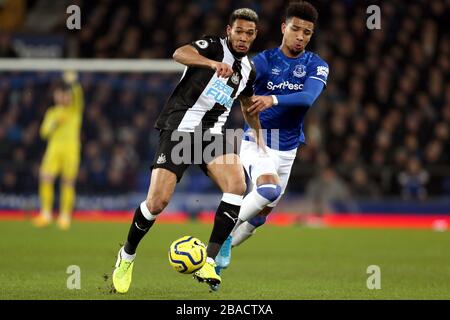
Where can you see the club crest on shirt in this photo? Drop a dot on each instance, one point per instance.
(161, 159)
(276, 71)
(299, 71)
(235, 78)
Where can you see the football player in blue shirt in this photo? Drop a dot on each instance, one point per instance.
(289, 79)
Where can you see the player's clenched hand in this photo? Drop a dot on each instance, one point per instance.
(70, 76)
(259, 104)
(222, 69)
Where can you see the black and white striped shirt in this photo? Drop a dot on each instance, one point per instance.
(201, 97)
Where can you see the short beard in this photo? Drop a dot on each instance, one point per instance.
(234, 52)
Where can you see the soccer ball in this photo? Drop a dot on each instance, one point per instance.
(187, 254)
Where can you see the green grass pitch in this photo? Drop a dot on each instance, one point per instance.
(277, 263)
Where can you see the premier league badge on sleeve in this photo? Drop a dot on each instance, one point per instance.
(322, 71)
(299, 71)
(203, 44)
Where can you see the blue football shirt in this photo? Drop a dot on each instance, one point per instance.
(277, 74)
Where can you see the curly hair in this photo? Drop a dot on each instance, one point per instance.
(302, 10)
(245, 14)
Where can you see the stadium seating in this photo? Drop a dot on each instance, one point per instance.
(383, 122)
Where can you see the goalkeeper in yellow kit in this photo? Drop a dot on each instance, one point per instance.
(61, 128)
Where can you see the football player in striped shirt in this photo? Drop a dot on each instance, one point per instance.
(217, 72)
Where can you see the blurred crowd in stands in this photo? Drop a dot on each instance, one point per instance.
(381, 128)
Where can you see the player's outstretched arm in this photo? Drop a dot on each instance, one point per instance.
(253, 121)
(71, 78)
(306, 98)
(189, 56)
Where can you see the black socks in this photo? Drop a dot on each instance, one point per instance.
(138, 229)
(224, 221)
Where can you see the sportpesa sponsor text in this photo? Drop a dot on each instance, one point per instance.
(284, 85)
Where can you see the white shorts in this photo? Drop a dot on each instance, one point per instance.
(274, 162)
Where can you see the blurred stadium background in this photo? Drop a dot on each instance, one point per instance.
(378, 137)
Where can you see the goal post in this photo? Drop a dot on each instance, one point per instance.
(91, 65)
